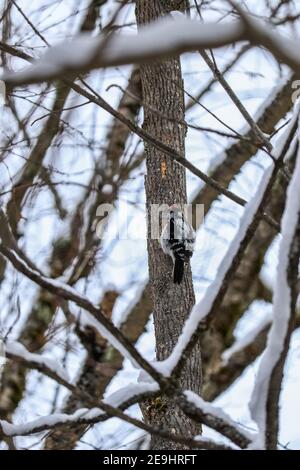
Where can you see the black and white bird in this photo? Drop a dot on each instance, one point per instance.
(178, 241)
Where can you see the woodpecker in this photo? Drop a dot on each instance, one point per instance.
(178, 241)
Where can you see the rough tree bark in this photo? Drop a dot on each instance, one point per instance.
(165, 183)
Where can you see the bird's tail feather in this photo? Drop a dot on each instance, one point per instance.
(178, 271)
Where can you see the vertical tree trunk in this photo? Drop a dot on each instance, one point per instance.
(165, 183)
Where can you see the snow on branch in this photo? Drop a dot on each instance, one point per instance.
(217, 419)
(164, 38)
(86, 53)
(264, 401)
(16, 351)
(246, 340)
(122, 399)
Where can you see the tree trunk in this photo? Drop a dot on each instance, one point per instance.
(165, 183)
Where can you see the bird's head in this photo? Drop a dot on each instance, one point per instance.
(175, 209)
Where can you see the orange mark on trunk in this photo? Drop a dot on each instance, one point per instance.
(163, 169)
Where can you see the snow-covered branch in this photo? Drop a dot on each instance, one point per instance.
(125, 397)
(215, 418)
(265, 397)
(246, 340)
(85, 53)
(17, 352)
(204, 311)
(109, 407)
(122, 399)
